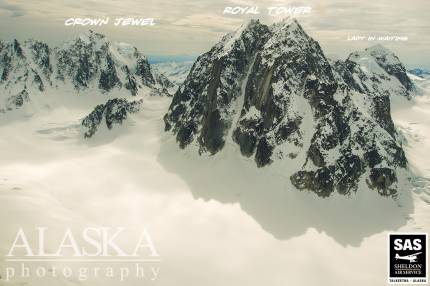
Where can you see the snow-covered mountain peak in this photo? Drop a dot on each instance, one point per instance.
(378, 53)
(272, 91)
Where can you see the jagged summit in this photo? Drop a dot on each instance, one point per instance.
(239, 39)
(272, 91)
(247, 26)
(287, 24)
(91, 35)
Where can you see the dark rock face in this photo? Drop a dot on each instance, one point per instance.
(108, 77)
(114, 111)
(88, 59)
(37, 81)
(165, 84)
(18, 100)
(274, 92)
(17, 78)
(268, 113)
(213, 84)
(382, 179)
(17, 49)
(143, 70)
(79, 63)
(131, 83)
(41, 56)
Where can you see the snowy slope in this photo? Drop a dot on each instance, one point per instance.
(210, 227)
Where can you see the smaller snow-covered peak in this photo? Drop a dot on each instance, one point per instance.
(379, 60)
(378, 52)
(384, 54)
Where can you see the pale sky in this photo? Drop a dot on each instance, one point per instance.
(191, 27)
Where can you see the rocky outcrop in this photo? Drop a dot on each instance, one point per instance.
(18, 100)
(272, 91)
(114, 111)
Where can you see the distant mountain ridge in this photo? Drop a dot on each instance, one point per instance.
(176, 72)
(90, 62)
(420, 72)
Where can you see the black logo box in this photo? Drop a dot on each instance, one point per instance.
(407, 255)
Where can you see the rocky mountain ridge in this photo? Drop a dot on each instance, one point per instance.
(90, 62)
(272, 91)
(176, 72)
